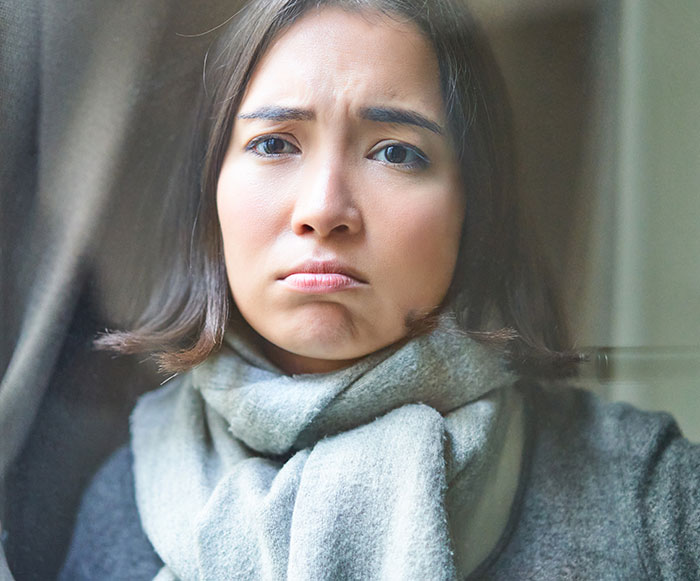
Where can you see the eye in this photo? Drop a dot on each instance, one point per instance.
(400, 154)
(270, 146)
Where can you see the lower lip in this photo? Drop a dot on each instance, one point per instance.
(320, 283)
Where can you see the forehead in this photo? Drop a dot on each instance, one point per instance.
(336, 58)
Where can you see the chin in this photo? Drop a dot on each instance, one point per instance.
(310, 352)
(324, 339)
(322, 334)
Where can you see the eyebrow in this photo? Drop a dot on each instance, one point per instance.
(378, 114)
(400, 117)
(279, 114)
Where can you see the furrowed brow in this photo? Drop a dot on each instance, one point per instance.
(278, 114)
(400, 117)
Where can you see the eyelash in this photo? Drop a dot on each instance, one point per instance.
(421, 160)
(259, 140)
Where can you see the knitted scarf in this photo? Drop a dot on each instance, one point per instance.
(243, 472)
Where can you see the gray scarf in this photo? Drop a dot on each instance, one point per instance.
(243, 472)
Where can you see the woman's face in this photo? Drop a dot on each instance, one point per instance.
(339, 198)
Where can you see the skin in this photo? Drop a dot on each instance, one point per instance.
(318, 183)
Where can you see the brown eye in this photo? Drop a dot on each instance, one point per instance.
(271, 146)
(396, 154)
(401, 155)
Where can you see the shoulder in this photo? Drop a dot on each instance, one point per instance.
(578, 418)
(608, 488)
(577, 424)
(108, 541)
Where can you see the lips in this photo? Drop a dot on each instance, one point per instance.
(322, 277)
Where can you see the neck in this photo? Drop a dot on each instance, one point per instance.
(294, 364)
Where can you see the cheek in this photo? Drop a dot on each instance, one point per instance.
(249, 224)
(423, 243)
(248, 218)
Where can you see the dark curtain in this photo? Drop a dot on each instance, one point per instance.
(93, 101)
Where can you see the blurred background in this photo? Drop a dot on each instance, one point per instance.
(92, 97)
(605, 95)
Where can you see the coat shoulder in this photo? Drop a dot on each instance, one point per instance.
(108, 540)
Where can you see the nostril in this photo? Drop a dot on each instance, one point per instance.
(340, 229)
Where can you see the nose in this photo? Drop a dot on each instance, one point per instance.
(326, 205)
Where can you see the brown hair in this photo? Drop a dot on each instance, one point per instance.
(499, 276)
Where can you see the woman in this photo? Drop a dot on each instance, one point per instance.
(368, 413)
